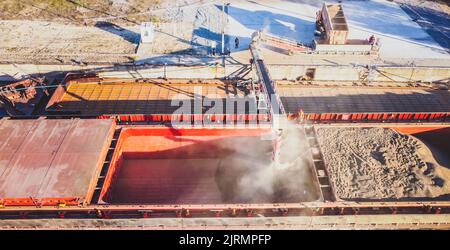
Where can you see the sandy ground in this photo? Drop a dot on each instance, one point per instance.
(377, 163)
(103, 39)
(189, 28)
(49, 42)
(85, 11)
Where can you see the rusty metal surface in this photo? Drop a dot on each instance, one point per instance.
(241, 206)
(51, 161)
(21, 98)
(291, 222)
(362, 99)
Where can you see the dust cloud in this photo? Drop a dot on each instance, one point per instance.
(229, 169)
(257, 178)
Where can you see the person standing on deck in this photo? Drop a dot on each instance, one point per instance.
(213, 47)
(236, 43)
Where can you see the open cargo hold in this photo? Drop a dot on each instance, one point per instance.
(51, 162)
(147, 100)
(365, 103)
(159, 165)
(387, 162)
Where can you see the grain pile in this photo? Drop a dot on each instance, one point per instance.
(378, 163)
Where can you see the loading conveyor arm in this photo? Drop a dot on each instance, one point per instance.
(273, 100)
(274, 104)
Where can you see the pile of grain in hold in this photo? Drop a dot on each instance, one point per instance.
(377, 163)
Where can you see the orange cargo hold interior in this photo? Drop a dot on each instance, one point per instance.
(161, 165)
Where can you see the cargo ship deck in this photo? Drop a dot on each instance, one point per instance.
(341, 103)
